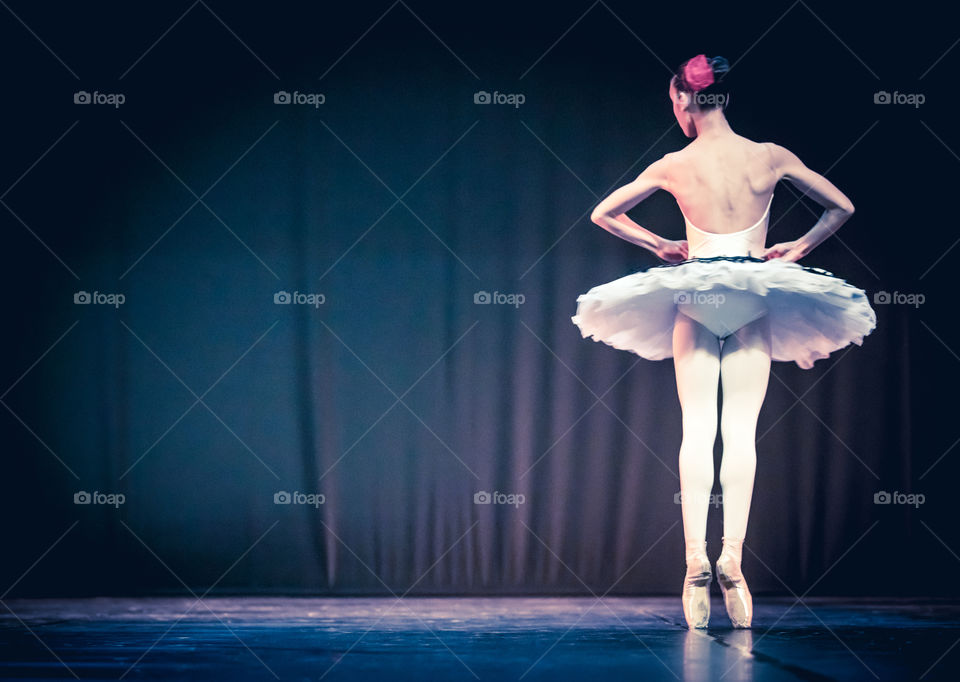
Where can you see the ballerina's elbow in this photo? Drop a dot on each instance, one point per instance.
(600, 218)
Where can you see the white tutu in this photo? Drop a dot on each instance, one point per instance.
(812, 313)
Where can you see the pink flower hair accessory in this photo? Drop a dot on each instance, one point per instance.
(698, 73)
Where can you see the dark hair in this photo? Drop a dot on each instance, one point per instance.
(714, 96)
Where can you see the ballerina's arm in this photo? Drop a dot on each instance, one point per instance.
(838, 207)
(611, 213)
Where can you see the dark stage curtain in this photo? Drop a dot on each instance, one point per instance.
(398, 204)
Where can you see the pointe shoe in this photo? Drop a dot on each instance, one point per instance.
(736, 594)
(696, 586)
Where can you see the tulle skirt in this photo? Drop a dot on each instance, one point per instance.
(812, 312)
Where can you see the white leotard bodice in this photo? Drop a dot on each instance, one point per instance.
(747, 242)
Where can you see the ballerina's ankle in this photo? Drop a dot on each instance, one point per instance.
(733, 548)
(696, 550)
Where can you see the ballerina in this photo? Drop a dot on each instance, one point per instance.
(723, 307)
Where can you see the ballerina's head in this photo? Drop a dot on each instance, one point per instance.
(699, 88)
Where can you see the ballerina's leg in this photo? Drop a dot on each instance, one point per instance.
(744, 374)
(696, 357)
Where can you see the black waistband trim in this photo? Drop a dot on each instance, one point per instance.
(733, 259)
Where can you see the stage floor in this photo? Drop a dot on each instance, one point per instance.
(554, 639)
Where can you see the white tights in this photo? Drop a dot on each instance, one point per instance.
(741, 363)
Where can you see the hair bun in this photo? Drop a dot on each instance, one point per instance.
(706, 79)
(720, 66)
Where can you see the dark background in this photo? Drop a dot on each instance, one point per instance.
(398, 199)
